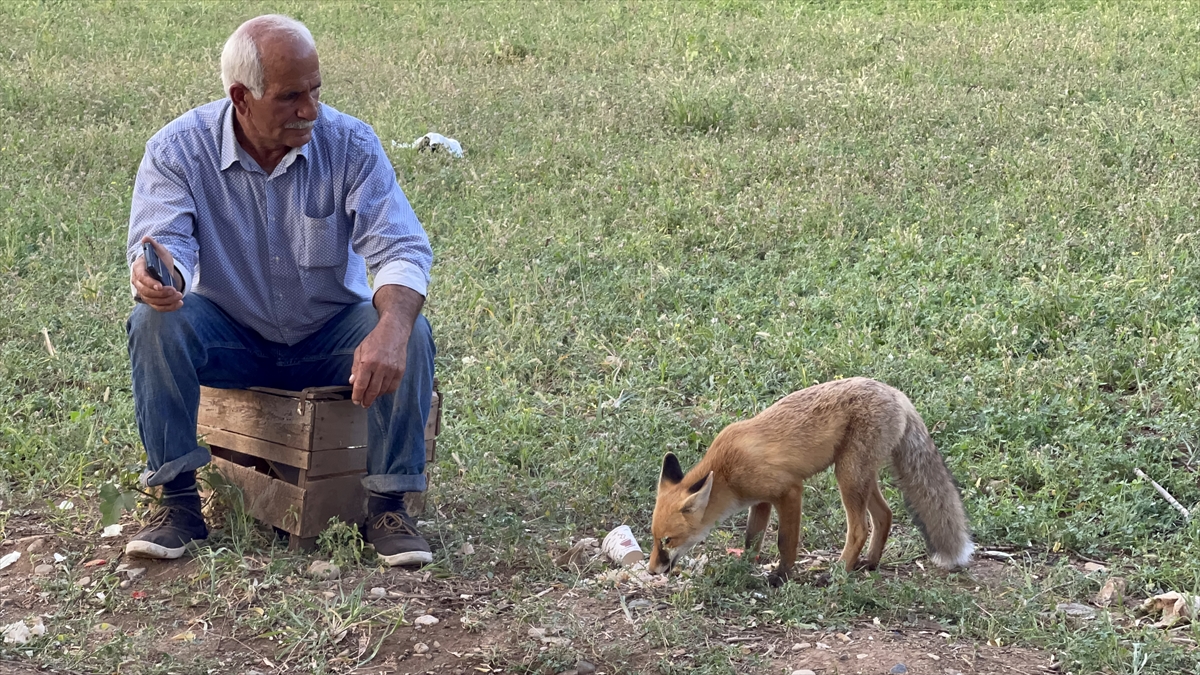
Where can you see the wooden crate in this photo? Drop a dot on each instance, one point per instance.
(298, 456)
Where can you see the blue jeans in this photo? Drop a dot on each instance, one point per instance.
(174, 353)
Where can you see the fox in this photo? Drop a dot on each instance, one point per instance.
(857, 425)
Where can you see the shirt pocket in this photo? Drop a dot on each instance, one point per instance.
(323, 243)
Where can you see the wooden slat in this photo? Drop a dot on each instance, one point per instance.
(340, 497)
(267, 499)
(257, 414)
(256, 447)
(433, 424)
(338, 424)
(341, 460)
(332, 393)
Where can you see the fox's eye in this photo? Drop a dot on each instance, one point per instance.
(666, 541)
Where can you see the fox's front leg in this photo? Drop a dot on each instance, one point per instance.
(760, 515)
(788, 507)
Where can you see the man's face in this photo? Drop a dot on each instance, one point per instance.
(285, 114)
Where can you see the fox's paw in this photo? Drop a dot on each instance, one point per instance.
(775, 579)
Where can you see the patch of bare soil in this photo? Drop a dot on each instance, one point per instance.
(451, 625)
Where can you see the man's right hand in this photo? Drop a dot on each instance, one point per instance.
(153, 293)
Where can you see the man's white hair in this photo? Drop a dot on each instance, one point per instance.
(241, 59)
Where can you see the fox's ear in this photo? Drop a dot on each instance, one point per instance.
(700, 492)
(672, 473)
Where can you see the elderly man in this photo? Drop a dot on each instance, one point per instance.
(269, 209)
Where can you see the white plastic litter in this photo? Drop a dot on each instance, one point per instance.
(20, 633)
(113, 530)
(66, 505)
(9, 559)
(433, 141)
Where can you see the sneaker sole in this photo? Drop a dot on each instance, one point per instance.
(407, 558)
(146, 549)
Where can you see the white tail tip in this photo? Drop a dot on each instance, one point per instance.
(954, 562)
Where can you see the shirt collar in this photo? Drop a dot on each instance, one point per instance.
(231, 152)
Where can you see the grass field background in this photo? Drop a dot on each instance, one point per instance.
(669, 216)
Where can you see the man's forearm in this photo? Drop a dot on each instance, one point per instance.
(398, 306)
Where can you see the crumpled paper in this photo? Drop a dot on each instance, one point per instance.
(20, 633)
(1175, 607)
(433, 142)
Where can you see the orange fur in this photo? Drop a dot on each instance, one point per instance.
(856, 425)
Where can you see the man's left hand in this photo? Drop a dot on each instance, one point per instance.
(379, 362)
(381, 357)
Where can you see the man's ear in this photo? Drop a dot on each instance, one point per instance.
(238, 93)
(672, 473)
(698, 501)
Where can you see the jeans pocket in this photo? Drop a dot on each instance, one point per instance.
(323, 245)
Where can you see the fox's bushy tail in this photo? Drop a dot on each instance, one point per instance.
(931, 496)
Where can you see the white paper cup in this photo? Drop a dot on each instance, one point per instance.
(620, 546)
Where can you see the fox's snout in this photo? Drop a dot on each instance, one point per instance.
(661, 562)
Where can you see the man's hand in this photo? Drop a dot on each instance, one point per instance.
(153, 293)
(381, 357)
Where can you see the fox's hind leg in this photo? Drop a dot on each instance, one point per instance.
(760, 515)
(881, 524)
(856, 493)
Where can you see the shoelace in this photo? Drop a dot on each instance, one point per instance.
(160, 516)
(392, 522)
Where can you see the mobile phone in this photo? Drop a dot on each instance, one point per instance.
(156, 268)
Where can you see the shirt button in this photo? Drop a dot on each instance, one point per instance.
(276, 258)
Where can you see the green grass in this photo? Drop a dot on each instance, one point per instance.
(670, 215)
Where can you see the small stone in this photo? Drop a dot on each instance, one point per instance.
(426, 620)
(466, 549)
(898, 669)
(378, 592)
(585, 667)
(1076, 610)
(803, 671)
(640, 603)
(420, 648)
(437, 645)
(36, 545)
(537, 633)
(134, 572)
(43, 570)
(801, 645)
(860, 656)
(321, 569)
(125, 584)
(83, 581)
(1093, 567)
(843, 637)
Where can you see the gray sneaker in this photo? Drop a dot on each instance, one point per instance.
(396, 539)
(171, 530)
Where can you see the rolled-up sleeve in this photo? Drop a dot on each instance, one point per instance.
(386, 232)
(163, 208)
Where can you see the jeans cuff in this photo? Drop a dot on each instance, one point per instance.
(393, 483)
(189, 462)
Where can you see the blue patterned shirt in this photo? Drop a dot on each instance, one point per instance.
(280, 253)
